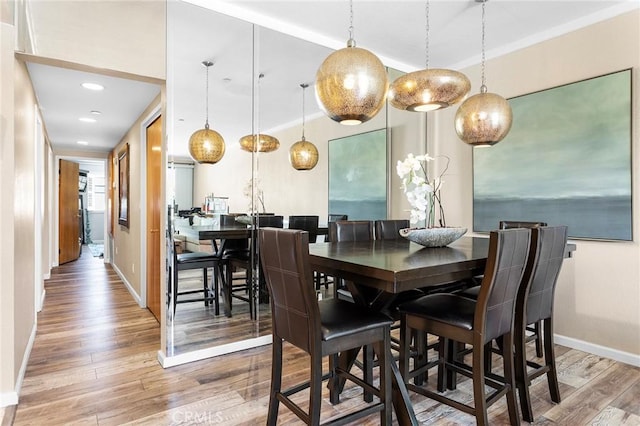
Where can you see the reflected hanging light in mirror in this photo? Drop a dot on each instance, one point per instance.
(428, 89)
(483, 119)
(351, 83)
(259, 143)
(303, 155)
(206, 146)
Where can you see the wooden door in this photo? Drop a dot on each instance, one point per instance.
(69, 239)
(154, 204)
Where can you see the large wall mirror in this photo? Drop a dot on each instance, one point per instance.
(254, 88)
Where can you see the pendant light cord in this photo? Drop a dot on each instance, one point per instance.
(207, 64)
(351, 42)
(304, 86)
(426, 42)
(483, 88)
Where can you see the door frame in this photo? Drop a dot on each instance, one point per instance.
(146, 122)
(56, 201)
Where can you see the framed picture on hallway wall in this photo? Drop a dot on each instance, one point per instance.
(123, 186)
(358, 175)
(566, 161)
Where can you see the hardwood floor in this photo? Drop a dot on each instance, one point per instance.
(94, 362)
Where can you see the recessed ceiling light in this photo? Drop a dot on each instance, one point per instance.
(93, 86)
(87, 120)
(83, 143)
(95, 112)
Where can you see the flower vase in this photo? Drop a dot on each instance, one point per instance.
(433, 237)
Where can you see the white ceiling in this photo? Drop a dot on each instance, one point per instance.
(394, 30)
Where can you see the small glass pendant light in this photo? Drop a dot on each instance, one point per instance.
(303, 155)
(206, 146)
(483, 119)
(351, 83)
(428, 89)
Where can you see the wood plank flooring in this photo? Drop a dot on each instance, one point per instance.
(94, 363)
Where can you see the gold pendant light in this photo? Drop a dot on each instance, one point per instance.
(259, 143)
(351, 83)
(483, 119)
(206, 146)
(303, 155)
(428, 89)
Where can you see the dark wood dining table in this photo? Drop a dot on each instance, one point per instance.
(377, 271)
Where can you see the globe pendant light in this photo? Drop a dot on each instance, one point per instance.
(303, 155)
(483, 119)
(206, 146)
(351, 83)
(259, 143)
(428, 89)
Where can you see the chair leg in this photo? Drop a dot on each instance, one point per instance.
(507, 357)
(538, 330)
(315, 389)
(205, 286)
(175, 290)
(367, 370)
(276, 380)
(333, 385)
(216, 289)
(550, 361)
(227, 289)
(385, 359)
(522, 378)
(479, 397)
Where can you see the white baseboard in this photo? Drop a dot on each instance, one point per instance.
(8, 398)
(135, 295)
(592, 348)
(172, 361)
(11, 398)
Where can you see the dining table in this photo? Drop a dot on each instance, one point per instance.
(377, 271)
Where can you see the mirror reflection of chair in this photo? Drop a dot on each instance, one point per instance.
(460, 319)
(389, 229)
(242, 259)
(197, 260)
(320, 328)
(305, 223)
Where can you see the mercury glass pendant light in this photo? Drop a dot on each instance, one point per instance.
(428, 89)
(351, 83)
(303, 155)
(259, 143)
(206, 146)
(483, 119)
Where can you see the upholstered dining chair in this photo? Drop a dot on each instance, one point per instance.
(197, 260)
(460, 319)
(388, 229)
(244, 290)
(305, 223)
(534, 304)
(319, 328)
(535, 330)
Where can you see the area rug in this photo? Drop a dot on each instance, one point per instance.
(97, 250)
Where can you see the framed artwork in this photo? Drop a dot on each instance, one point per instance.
(123, 186)
(566, 161)
(358, 175)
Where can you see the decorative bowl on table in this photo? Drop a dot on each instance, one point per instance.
(245, 219)
(433, 237)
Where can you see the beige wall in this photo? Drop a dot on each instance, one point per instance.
(127, 241)
(127, 36)
(24, 219)
(598, 297)
(8, 332)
